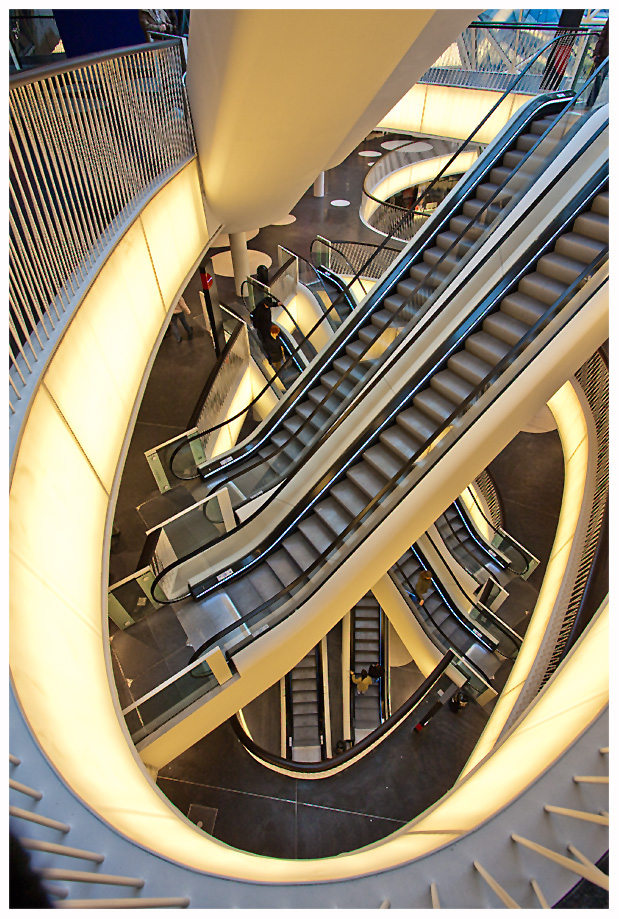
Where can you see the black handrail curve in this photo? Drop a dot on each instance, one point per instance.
(502, 626)
(420, 284)
(460, 542)
(336, 472)
(392, 235)
(454, 246)
(349, 756)
(504, 535)
(449, 642)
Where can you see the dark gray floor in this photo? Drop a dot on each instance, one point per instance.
(252, 807)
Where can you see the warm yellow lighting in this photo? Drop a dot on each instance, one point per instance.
(468, 499)
(229, 433)
(416, 174)
(572, 428)
(449, 111)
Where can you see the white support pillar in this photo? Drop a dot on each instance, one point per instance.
(319, 186)
(240, 259)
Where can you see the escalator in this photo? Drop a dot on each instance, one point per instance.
(367, 650)
(305, 710)
(555, 273)
(432, 406)
(366, 340)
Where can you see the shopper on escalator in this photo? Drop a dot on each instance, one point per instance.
(362, 682)
(273, 348)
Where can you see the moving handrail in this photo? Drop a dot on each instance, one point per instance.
(508, 563)
(349, 756)
(338, 470)
(592, 188)
(403, 583)
(484, 612)
(453, 248)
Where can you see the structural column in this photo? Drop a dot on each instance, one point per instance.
(319, 185)
(240, 259)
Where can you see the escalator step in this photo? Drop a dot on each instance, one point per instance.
(601, 204)
(505, 328)
(469, 366)
(283, 566)
(416, 424)
(524, 309)
(329, 402)
(305, 697)
(302, 684)
(384, 318)
(345, 364)
(540, 287)
(349, 496)
(447, 239)
(265, 582)
(332, 381)
(333, 515)
(307, 720)
(316, 532)
(560, 267)
(579, 247)
(593, 225)
(484, 346)
(451, 386)
(383, 461)
(433, 405)
(304, 708)
(302, 552)
(366, 478)
(399, 442)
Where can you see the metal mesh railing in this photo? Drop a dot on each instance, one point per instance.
(491, 497)
(487, 56)
(88, 143)
(593, 377)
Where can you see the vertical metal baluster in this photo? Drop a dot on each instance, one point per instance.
(16, 294)
(110, 134)
(171, 124)
(120, 135)
(41, 249)
(56, 242)
(148, 134)
(156, 110)
(92, 149)
(72, 138)
(109, 184)
(128, 95)
(13, 365)
(127, 130)
(13, 329)
(17, 278)
(38, 115)
(95, 215)
(60, 152)
(26, 260)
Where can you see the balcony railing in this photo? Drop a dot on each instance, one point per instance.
(89, 142)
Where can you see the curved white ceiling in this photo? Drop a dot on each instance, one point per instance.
(277, 96)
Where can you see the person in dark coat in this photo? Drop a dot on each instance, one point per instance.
(376, 671)
(600, 53)
(261, 320)
(273, 348)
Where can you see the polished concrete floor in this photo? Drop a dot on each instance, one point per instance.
(216, 782)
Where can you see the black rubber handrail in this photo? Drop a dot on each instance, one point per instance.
(501, 532)
(496, 620)
(349, 756)
(404, 586)
(392, 235)
(454, 246)
(337, 471)
(510, 278)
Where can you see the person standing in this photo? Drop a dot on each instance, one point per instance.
(600, 53)
(261, 320)
(274, 349)
(157, 21)
(423, 584)
(177, 315)
(362, 682)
